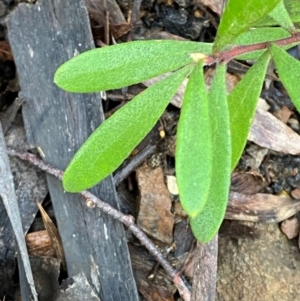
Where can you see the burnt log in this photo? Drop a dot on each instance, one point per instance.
(42, 37)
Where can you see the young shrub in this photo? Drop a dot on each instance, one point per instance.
(213, 128)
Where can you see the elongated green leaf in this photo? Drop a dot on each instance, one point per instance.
(125, 64)
(242, 104)
(288, 70)
(113, 141)
(238, 17)
(281, 16)
(206, 224)
(293, 10)
(262, 34)
(193, 146)
(259, 35)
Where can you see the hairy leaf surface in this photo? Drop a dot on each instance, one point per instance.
(260, 35)
(281, 16)
(114, 140)
(238, 17)
(206, 224)
(288, 69)
(193, 145)
(293, 10)
(242, 104)
(125, 64)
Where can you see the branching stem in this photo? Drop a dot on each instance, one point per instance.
(128, 220)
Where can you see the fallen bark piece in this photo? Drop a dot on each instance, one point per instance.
(247, 182)
(290, 227)
(260, 207)
(154, 217)
(8, 197)
(268, 131)
(39, 244)
(77, 288)
(30, 183)
(58, 123)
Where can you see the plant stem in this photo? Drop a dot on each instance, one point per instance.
(230, 54)
(128, 220)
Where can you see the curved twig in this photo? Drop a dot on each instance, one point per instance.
(128, 220)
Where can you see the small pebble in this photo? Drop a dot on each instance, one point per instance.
(296, 194)
(290, 227)
(294, 124)
(172, 185)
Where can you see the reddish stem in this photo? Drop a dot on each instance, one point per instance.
(230, 54)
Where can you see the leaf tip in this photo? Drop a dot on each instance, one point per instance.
(59, 77)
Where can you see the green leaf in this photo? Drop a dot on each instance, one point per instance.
(281, 16)
(238, 17)
(260, 35)
(206, 224)
(193, 145)
(242, 104)
(288, 69)
(293, 10)
(113, 141)
(125, 64)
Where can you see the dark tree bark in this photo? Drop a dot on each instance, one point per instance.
(42, 37)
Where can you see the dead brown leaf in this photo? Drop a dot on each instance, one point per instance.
(154, 217)
(53, 234)
(269, 132)
(247, 182)
(214, 5)
(260, 207)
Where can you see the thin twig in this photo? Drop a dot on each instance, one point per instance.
(134, 163)
(128, 220)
